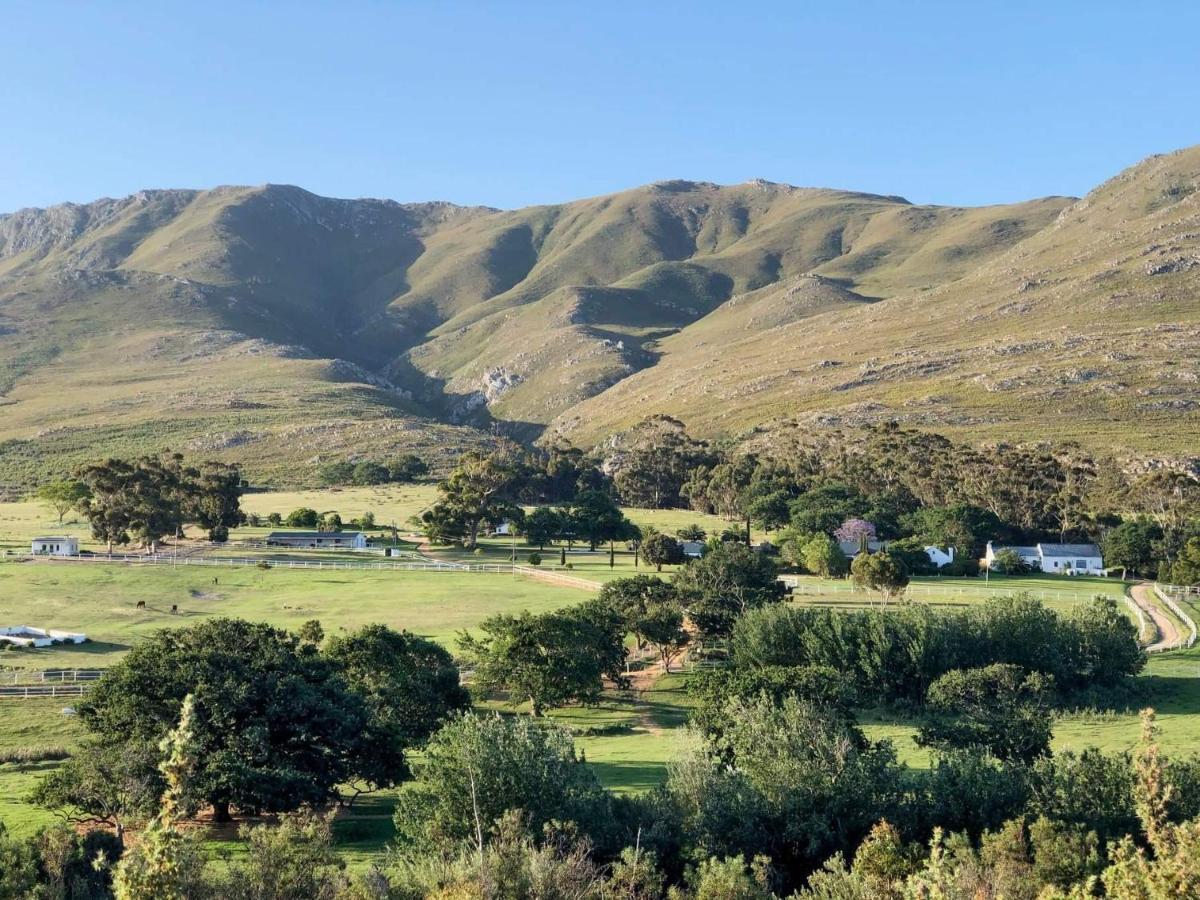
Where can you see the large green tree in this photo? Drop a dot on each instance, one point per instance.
(64, 495)
(409, 685)
(653, 460)
(725, 583)
(548, 659)
(660, 550)
(879, 572)
(1131, 545)
(651, 611)
(275, 725)
(213, 493)
(595, 517)
(481, 489)
(543, 526)
(998, 709)
(477, 768)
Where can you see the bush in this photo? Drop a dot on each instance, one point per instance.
(896, 654)
(335, 473)
(961, 566)
(369, 473)
(535, 559)
(304, 517)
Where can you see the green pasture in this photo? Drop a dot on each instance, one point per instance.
(100, 599)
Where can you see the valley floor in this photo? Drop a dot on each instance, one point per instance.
(630, 739)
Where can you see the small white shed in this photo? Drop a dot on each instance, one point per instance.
(55, 546)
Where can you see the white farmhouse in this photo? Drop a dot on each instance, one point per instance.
(1055, 559)
(938, 556)
(55, 546)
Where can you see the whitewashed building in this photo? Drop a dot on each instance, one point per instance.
(1055, 559)
(938, 556)
(54, 546)
(28, 636)
(318, 540)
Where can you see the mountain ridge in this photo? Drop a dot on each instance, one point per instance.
(388, 326)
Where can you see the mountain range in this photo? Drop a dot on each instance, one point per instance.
(278, 328)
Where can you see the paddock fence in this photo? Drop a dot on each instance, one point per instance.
(846, 591)
(36, 684)
(260, 562)
(1166, 593)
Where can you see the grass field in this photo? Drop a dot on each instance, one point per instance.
(628, 739)
(100, 600)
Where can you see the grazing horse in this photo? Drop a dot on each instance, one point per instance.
(174, 609)
(141, 604)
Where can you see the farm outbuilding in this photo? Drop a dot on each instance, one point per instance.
(318, 540)
(54, 546)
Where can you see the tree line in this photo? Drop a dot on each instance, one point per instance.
(904, 487)
(149, 498)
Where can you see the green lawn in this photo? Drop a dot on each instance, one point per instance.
(100, 600)
(1058, 591)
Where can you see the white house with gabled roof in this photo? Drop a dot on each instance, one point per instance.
(1055, 559)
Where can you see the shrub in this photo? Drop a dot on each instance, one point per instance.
(535, 559)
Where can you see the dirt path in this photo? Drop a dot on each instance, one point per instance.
(1168, 632)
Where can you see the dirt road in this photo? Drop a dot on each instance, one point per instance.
(1168, 632)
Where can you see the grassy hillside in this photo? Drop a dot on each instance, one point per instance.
(278, 328)
(1087, 330)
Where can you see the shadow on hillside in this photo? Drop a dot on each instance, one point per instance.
(431, 394)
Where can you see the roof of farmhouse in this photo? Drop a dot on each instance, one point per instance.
(327, 535)
(1070, 550)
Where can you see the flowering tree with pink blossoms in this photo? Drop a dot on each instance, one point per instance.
(855, 530)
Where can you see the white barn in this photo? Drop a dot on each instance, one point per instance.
(1055, 559)
(318, 540)
(28, 636)
(54, 546)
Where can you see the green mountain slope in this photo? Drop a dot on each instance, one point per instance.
(276, 327)
(1088, 329)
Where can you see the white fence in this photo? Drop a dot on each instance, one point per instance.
(48, 676)
(37, 691)
(1144, 624)
(161, 559)
(1189, 623)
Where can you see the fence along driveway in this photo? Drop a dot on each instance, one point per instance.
(18, 684)
(1166, 593)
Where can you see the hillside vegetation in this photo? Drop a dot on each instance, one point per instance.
(277, 328)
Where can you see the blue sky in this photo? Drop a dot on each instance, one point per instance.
(515, 103)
